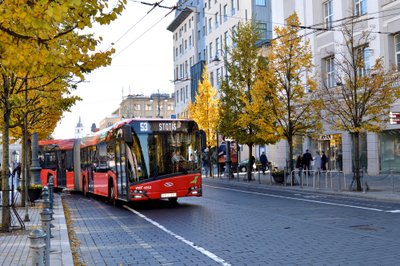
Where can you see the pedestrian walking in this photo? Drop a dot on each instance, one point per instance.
(206, 161)
(318, 162)
(324, 161)
(264, 162)
(307, 158)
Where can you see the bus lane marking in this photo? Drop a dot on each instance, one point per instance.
(299, 199)
(180, 238)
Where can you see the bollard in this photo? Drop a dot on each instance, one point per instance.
(51, 191)
(37, 247)
(45, 218)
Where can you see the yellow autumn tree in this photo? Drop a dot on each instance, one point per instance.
(43, 40)
(204, 110)
(358, 97)
(293, 103)
(243, 112)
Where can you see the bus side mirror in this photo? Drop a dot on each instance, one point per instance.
(127, 134)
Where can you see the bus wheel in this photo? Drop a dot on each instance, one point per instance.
(111, 196)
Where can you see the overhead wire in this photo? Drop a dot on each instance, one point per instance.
(178, 7)
(157, 4)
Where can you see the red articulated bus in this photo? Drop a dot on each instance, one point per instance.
(138, 160)
(56, 160)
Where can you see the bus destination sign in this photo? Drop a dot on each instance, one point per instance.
(168, 126)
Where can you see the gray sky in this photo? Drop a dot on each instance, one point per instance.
(142, 64)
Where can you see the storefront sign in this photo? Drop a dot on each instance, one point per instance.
(324, 137)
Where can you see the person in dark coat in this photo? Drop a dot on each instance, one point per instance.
(324, 161)
(17, 171)
(307, 158)
(264, 162)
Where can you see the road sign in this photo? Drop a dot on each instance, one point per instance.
(394, 118)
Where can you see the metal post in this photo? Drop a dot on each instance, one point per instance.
(35, 166)
(26, 218)
(37, 246)
(45, 218)
(51, 192)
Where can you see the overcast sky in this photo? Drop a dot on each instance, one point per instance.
(142, 64)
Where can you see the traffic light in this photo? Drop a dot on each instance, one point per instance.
(394, 118)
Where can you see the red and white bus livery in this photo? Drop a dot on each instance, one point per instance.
(137, 160)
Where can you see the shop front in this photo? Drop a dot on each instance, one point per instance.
(331, 144)
(389, 150)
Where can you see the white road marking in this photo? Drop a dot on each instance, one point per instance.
(299, 199)
(191, 244)
(394, 211)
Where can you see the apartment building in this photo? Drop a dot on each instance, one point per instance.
(380, 152)
(211, 21)
(201, 31)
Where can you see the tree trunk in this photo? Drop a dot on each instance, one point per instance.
(23, 165)
(250, 163)
(5, 173)
(290, 164)
(357, 160)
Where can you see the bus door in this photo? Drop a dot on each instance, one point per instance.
(120, 167)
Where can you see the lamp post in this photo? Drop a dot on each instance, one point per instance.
(228, 162)
(216, 61)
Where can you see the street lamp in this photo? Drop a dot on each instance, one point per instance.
(228, 162)
(216, 62)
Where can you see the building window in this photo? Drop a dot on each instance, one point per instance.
(210, 52)
(330, 72)
(209, 25)
(262, 28)
(360, 7)
(216, 20)
(225, 12)
(148, 107)
(233, 5)
(397, 50)
(363, 58)
(212, 78)
(136, 107)
(260, 2)
(328, 15)
(226, 39)
(217, 46)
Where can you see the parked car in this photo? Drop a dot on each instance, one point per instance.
(243, 165)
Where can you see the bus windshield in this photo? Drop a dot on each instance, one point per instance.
(164, 153)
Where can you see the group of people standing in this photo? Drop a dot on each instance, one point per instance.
(304, 161)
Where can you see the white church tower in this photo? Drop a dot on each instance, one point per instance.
(79, 130)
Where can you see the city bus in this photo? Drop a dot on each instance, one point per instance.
(56, 160)
(139, 159)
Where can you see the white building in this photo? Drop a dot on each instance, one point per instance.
(380, 152)
(202, 29)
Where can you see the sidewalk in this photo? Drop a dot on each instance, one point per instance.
(14, 245)
(381, 187)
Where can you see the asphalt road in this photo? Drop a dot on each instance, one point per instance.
(235, 224)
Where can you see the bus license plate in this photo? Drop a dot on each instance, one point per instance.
(168, 195)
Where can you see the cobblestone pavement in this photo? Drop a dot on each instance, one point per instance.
(235, 226)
